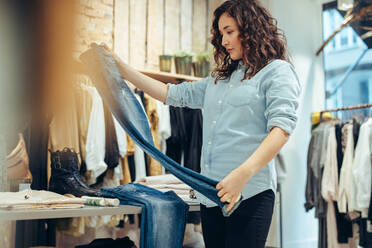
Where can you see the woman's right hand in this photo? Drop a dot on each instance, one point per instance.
(109, 51)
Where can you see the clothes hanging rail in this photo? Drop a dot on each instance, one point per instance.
(361, 106)
(348, 108)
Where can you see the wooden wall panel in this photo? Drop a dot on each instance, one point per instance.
(212, 6)
(155, 32)
(172, 26)
(199, 26)
(144, 29)
(121, 27)
(186, 25)
(137, 34)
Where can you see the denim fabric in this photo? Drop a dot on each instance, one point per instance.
(164, 215)
(129, 113)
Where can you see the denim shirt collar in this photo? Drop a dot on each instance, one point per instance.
(241, 65)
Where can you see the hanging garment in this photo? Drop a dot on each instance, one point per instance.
(329, 189)
(154, 167)
(164, 130)
(121, 138)
(112, 154)
(344, 226)
(122, 145)
(186, 138)
(95, 146)
(37, 232)
(129, 113)
(64, 130)
(361, 170)
(111, 144)
(126, 172)
(139, 155)
(346, 177)
(84, 106)
(315, 165)
(17, 161)
(163, 218)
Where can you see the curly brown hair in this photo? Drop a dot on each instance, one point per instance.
(262, 41)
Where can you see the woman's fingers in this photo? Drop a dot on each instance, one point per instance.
(226, 198)
(221, 192)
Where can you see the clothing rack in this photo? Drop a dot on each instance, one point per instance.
(361, 106)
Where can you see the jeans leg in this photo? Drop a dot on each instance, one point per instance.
(249, 225)
(163, 218)
(213, 227)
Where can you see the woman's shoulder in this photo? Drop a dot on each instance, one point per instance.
(277, 70)
(277, 65)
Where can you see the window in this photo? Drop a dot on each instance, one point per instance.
(345, 50)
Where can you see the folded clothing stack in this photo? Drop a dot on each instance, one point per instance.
(38, 199)
(169, 182)
(41, 199)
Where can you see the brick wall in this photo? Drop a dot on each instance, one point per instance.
(95, 23)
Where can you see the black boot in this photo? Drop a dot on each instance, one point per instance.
(65, 178)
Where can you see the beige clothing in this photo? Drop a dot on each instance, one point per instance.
(63, 130)
(17, 162)
(165, 183)
(126, 171)
(38, 199)
(84, 99)
(162, 179)
(155, 168)
(346, 176)
(130, 146)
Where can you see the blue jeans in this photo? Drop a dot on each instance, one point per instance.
(164, 215)
(129, 113)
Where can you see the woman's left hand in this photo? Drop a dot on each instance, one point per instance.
(230, 188)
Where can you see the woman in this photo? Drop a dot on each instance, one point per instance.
(249, 110)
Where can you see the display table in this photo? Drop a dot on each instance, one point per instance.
(79, 212)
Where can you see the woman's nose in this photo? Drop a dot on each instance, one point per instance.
(224, 42)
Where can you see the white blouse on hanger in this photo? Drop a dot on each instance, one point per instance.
(346, 177)
(361, 173)
(164, 127)
(95, 144)
(139, 155)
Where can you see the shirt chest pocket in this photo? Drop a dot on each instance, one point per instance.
(242, 95)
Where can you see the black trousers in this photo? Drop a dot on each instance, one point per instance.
(248, 226)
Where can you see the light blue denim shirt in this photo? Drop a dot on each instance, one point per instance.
(237, 116)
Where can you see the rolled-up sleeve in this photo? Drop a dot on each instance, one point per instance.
(282, 90)
(188, 94)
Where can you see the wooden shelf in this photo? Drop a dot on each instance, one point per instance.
(68, 213)
(169, 77)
